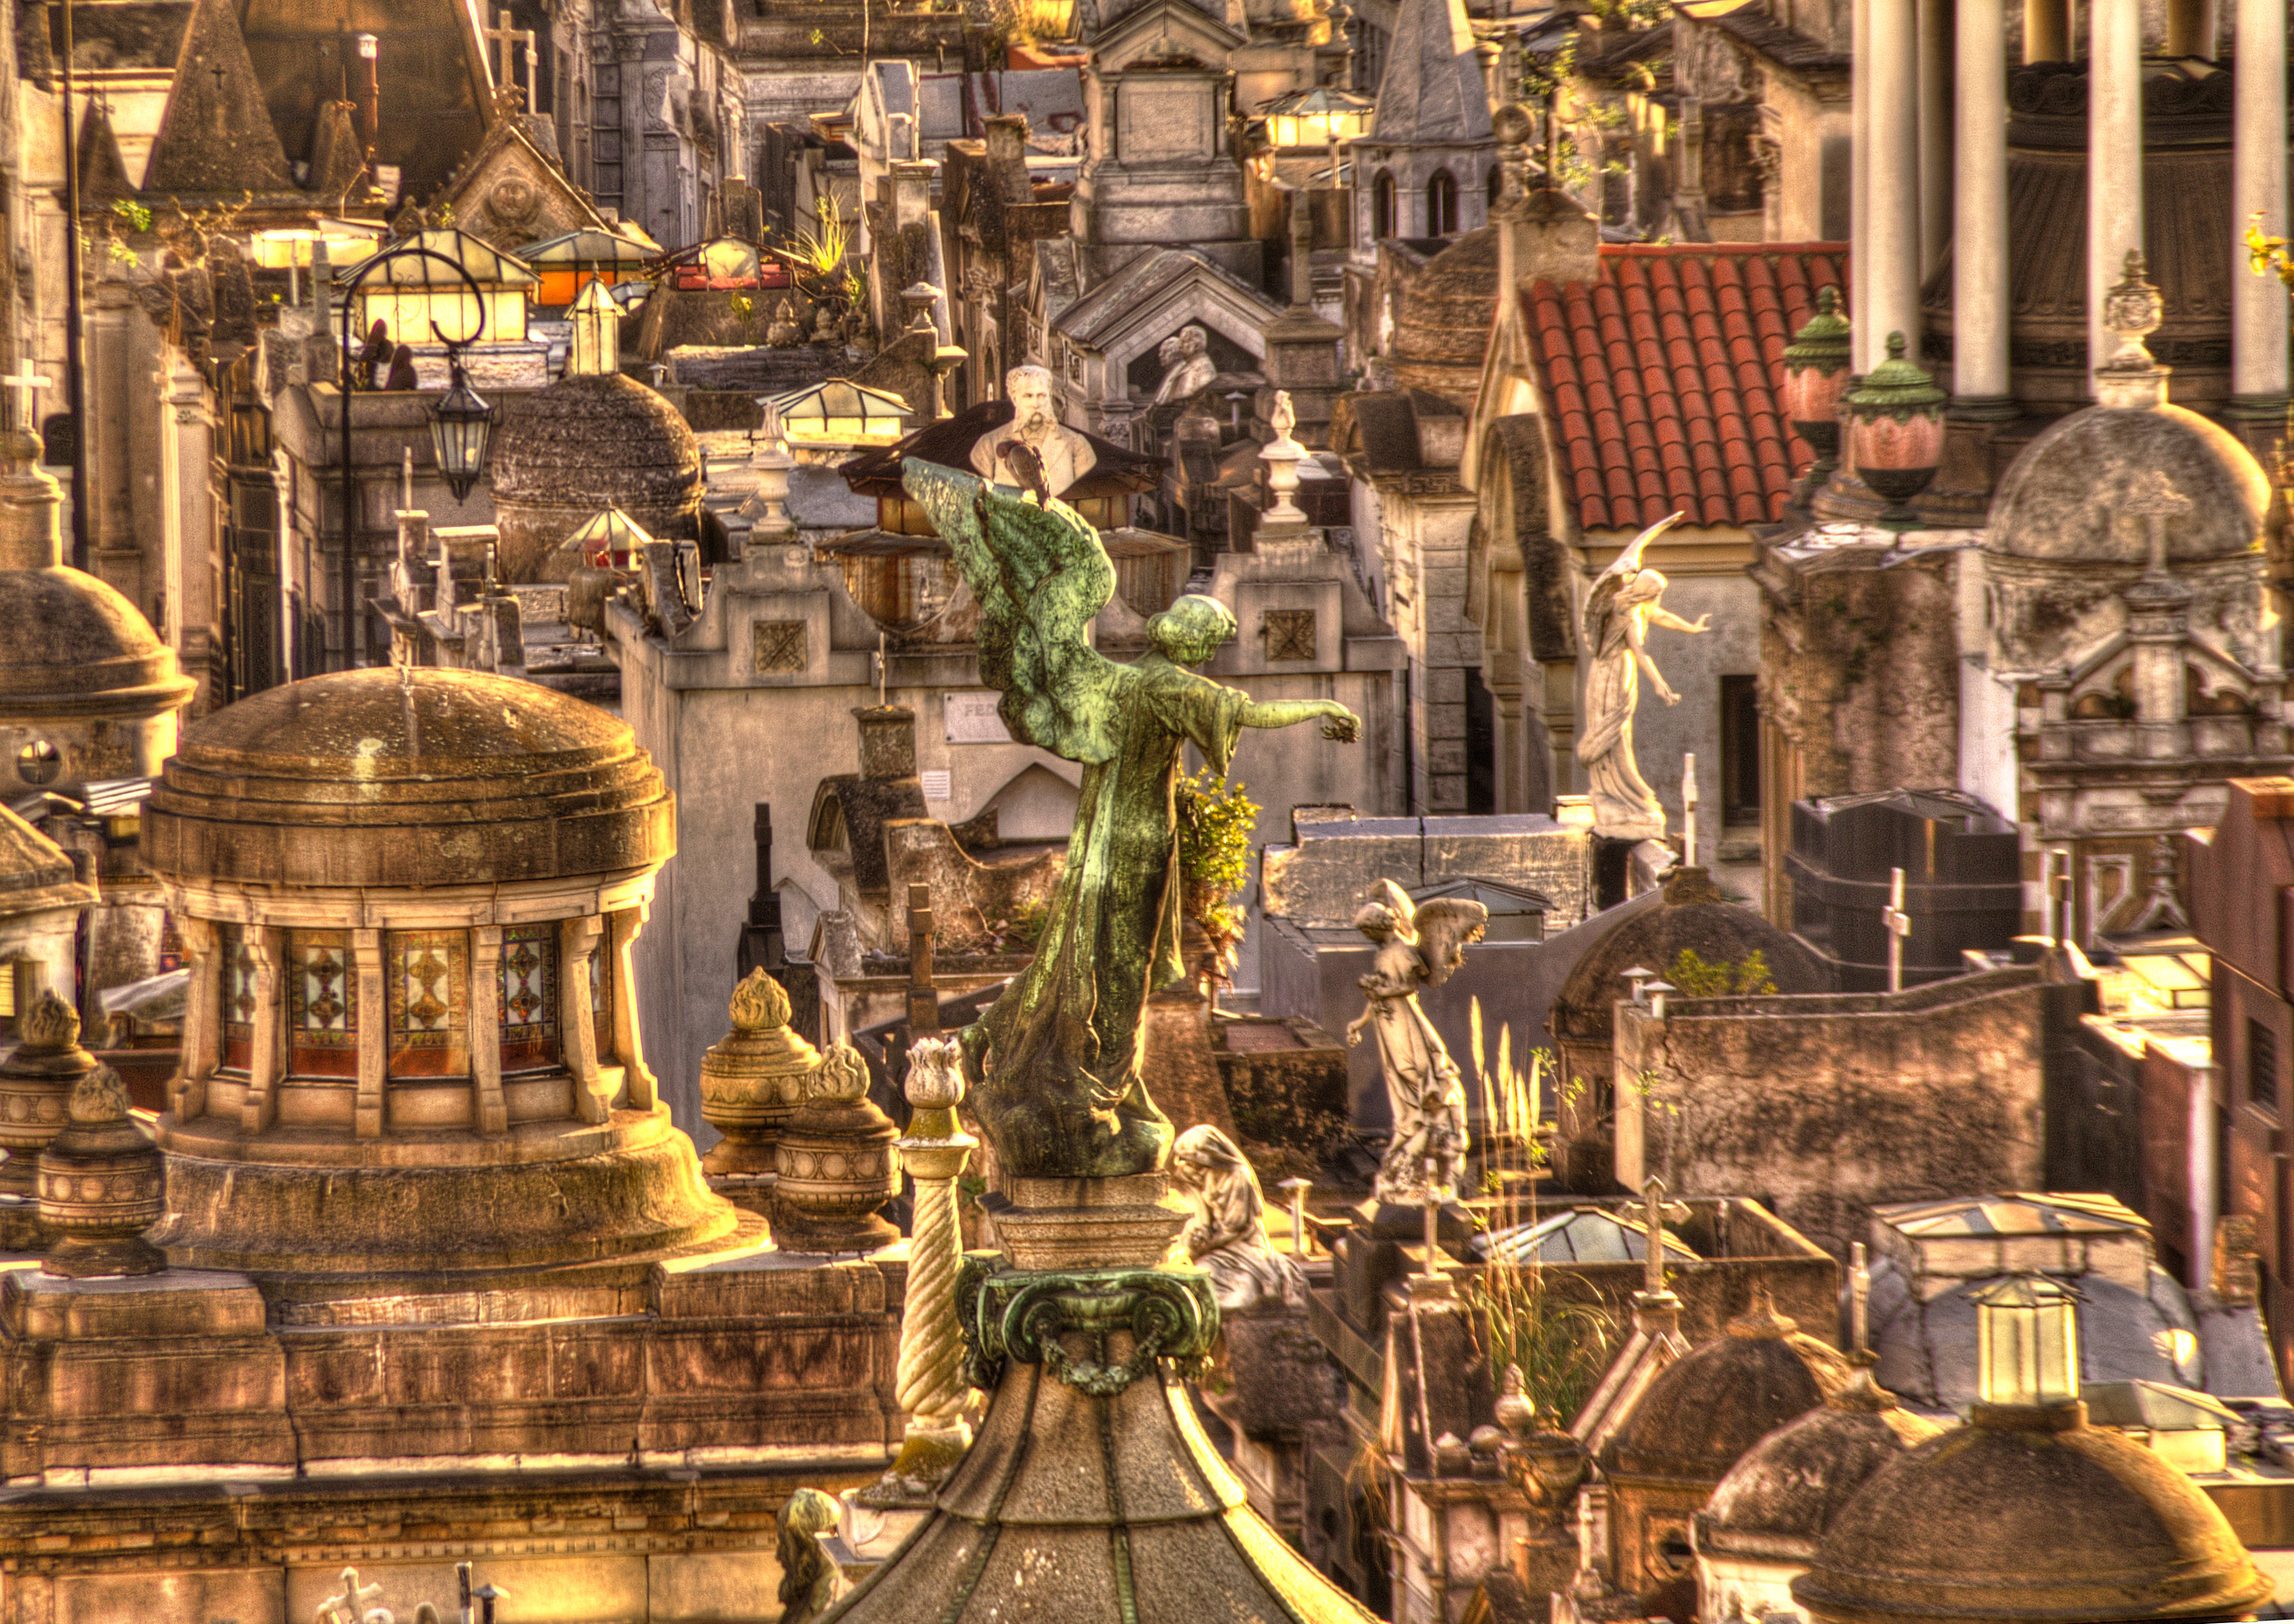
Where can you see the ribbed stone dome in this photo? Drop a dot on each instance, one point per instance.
(70, 643)
(1777, 1500)
(389, 778)
(2029, 1514)
(587, 442)
(1703, 1414)
(2065, 500)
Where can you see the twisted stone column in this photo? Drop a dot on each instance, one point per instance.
(930, 1385)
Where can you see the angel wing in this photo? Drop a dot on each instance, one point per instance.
(1444, 927)
(1040, 575)
(1600, 603)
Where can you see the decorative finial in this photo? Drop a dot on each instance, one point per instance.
(843, 1078)
(759, 1004)
(50, 1023)
(99, 1097)
(1514, 1410)
(2132, 311)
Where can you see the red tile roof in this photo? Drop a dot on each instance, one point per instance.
(1664, 378)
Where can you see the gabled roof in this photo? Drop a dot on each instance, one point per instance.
(488, 266)
(1132, 293)
(1664, 378)
(1432, 95)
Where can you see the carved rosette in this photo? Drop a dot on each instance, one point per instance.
(102, 1183)
(35, 1083)
(753, 1080)
(837, 1164)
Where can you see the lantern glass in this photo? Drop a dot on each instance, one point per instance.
(462, 426)
(2026, 1336)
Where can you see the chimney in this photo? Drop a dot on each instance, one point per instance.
(1007, 141)
(761, 945)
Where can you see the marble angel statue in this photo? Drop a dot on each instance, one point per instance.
(1227, 1236)
(1622, 605)
(1054, 1064)
(1419, 943)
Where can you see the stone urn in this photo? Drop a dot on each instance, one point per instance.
(35, 1083)
(837, 1165)
(102, 1182)
(753, 1079)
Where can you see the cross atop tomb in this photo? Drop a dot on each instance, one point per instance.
(23, 387)
(1900, 926)
(1655, 1210)
(1689, 810)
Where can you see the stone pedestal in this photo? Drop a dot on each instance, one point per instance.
(102, 1183)
(35, 1083)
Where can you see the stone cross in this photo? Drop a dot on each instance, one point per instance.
(2155, 500)
(1689, 810)
(506, 33)
(923, 999)
(24, 385)
(1655, 1210)
(1900, 926)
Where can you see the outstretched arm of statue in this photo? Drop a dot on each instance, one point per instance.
(1339, 723)
(1648, 666)
(1666, 618)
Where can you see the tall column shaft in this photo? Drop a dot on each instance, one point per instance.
(1859, 185)
(1979, 243)
(2046, 30)
(1891, 222)
(1935, 26)
(2114, 158)
(2257, 304)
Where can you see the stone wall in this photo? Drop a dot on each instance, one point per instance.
(1823, 1107)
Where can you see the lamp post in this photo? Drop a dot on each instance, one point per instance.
(75, 380)
(461, 425)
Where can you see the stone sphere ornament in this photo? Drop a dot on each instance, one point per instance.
(102, 1182)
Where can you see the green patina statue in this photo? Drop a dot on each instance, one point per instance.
(1054, 1063)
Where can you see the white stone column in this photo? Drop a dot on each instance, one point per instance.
(2257, 304)
(489, 1109)
(1859, 188)
(1935, 36)
(1979, 250)
(2114, 158)
(1891, 222)
(373, 1034)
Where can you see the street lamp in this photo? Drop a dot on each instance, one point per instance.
(461, 425)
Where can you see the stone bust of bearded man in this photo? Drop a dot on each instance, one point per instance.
(1035, 450)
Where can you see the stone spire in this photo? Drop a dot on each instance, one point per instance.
(1432, 93)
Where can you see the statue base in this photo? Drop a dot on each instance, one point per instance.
(1399, 1221)
(1091, 1489)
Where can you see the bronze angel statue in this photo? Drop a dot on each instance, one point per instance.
(1418, 943)
(1622, 605)
(1054, 1063)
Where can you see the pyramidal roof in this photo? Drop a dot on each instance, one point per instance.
(1432, 95)
(217, 135)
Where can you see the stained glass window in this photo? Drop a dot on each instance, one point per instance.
(529, 997)
(321, 1004)
(237, 984)
(426, 980)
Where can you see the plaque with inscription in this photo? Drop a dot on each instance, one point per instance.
(971, 717)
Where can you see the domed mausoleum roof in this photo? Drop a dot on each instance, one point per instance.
(2028, 1513)
(71, 645)
(597, 440)
(1777, 1500)
(2065, 500)
(1704, 1413)
(1695, 915)
(389, 778)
